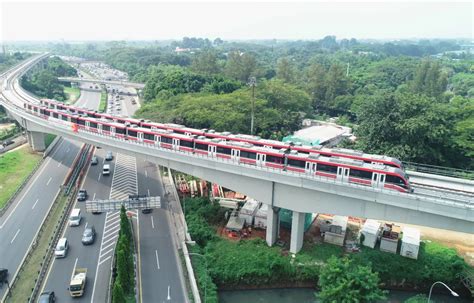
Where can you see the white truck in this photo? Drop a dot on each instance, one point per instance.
(78, 282)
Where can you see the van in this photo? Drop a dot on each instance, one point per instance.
(75, 217)
(106, 170)
(61, 248)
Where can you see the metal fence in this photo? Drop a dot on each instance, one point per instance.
(112, 205)
(440, 170)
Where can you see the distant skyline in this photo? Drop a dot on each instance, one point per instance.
(109, 20)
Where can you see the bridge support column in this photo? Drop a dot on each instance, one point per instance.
(297, 232)
(37, 141)
(273, 225)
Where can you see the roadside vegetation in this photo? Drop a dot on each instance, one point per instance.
(42, 80)
(9, 60)
(72, 94)
(251, 263)
(124, 285)
(15, 167)
(49, 139)
(103, 101)
(9, 132)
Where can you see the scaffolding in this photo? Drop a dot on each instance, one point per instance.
(133, 202)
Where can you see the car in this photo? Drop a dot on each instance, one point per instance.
(88, 236)
(109, 156)
(47, 297)
(106, 170)
(61, 248)
(7, 142)
(82, 195)
(147, 210)
(3, 275)
(94, 160)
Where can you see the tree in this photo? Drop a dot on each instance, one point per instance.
(118, 296)
(429, 79)
(241, 66)
(316, 84)
(343, 281)
(336, 82)
(206, 63)
(285, 70)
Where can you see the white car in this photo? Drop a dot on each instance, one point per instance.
(61, 249)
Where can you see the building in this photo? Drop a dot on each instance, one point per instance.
(336, 230)
(371, 232)
(320, 133)
(410, 242)
(390, 236)
(247, 212)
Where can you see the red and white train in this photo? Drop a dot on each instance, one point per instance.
(334, 167)
(227, 136)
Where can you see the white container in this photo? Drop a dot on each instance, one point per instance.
(410, 243)
(261, 216)
(371, 231)
(336, 233)
(247, 212)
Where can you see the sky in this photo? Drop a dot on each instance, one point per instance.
(135, 20)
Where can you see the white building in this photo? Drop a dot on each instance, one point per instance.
(410, 242)
(371, 231)
(247, 212)
(336, 231)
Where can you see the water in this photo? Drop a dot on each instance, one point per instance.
(306, 295)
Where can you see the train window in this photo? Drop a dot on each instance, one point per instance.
(81, 122)
(105, 127)
(296, 163)
(119, 130)
(166, 140)
(132, 133)
(93, 124)
(42, 111)
(395, 180)
(64, 117)
(186, 143)
(249, 155)
(223, 150)
(274, 159)
(149, 136)
(327, 168)
(360, 174)
(200, 146)
(55, 115)
(73, 120)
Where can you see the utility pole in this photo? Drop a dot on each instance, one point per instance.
(252, 82)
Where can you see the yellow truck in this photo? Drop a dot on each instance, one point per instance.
(78, 282)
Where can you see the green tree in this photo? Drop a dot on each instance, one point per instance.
(342, 281)
(123, 274)
(206, 63)
(316, 86)
(336, 82)
(125, 228)
(118, 296)
(285, 70)
(241, 66)
(429, 79)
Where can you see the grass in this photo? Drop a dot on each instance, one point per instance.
(103, 101)
(15, 166)
(72, 94)
(49, 139)
(27, 277)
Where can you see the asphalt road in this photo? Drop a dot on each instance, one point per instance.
(160, 274)
(88, 99)
(19, 225)
(98, 187)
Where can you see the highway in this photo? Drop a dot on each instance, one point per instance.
(129, 176)
(19, 225)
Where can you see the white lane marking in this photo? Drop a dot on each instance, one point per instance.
(93, 197)
(74, 269)
(67, 150)
(97, 267)
(86, 225)
(110, 239)
(50, 178)
(100, 174)
(105, 260)
(35, 204)
(107, 252)
(146, 174)
(148, 192)
(157, 260)
(59, 164)
(14, 237)
(152, 223)
(107, 246)
(169, 297)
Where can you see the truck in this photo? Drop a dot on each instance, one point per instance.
(78, 282)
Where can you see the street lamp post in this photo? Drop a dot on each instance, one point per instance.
(453, 293)
(205, 282)
(252, 82)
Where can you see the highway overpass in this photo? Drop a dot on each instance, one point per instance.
(298, 192)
